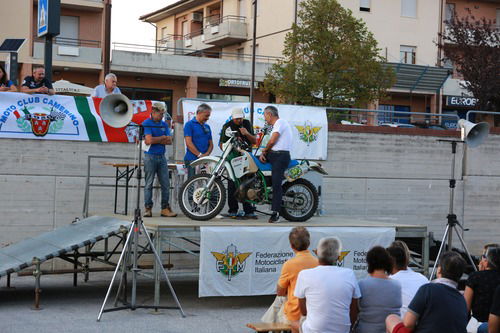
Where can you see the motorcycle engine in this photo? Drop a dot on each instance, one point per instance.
(250, 189)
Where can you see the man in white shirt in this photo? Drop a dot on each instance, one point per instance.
(277, 152)
(109, 87)
(410, 280)
(328, 295)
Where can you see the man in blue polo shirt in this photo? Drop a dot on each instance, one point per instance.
(198, 137)
(156, 136)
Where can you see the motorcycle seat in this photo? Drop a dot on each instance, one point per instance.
(267, 166)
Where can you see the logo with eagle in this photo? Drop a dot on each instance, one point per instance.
(39, 123)
(308, 133)
(230, 262)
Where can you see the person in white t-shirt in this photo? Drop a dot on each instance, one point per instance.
(277, 152)
(328, 295)
(410, 280)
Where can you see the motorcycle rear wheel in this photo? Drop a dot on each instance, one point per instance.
(304, 200)
(200, 204)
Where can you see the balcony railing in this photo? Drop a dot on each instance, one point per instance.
(71, 42)
(189, 52)
(217, 19)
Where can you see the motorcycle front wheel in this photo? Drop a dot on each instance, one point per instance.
(199, 202)
(300, 200)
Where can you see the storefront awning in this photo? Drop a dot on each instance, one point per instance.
(418, 78)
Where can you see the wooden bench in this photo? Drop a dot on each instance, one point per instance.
(269, 327)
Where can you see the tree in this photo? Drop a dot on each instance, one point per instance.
(473, 46)
(330, 59)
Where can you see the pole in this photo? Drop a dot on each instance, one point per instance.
(254, 45)
(48, 57)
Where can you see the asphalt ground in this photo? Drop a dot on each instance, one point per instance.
(75, 309)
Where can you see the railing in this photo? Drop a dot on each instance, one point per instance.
(354, 116)
(71, 42)
(216, 19)
(189, 52)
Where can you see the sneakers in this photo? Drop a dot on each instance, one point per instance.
(148, 212)
(230, 215)
(248, 216)
(275, 218)
(167, 212)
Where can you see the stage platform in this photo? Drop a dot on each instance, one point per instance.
(182, 235)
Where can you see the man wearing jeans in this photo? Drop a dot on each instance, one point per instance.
(198, 137)
(277, 152)
(157, 135)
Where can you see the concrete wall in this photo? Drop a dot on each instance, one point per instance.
(387, 177)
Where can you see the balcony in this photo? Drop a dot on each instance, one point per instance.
(184, 44)
(225, 31)
(71, 50)
(176, 62)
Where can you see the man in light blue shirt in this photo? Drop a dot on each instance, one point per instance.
(156, 136)
(109, 87)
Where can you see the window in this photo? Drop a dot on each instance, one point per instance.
(242, 8)
(69, 30)
(409, 8)
(364, 5)
(224, 97)
(164, 33)
(240, 53)
(450, 11)
(407, 54)
(185, 28)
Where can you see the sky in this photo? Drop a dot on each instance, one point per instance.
(125, 24)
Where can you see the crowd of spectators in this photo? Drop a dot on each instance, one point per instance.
(323, 297)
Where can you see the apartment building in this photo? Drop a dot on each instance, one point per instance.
(405, 29)
(78, 52)
(457, 100)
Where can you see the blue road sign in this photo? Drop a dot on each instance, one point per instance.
(43, 17)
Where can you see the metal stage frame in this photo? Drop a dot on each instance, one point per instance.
(180, 235)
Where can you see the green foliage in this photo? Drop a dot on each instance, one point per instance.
(330, 59)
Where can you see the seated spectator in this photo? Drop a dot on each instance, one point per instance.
(37, 83)
(6, 85)
(483, 262)
(299, 242)
(380, 295)
(438, 306)
(494, 318)
(109, 87)
(481, 285)
(410, 280)
(328, 295)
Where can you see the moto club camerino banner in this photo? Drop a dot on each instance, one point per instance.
(309, 125)
(57, 117)
(240, 261)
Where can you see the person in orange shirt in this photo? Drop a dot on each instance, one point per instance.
(299, 241)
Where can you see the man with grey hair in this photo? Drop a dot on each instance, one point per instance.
(109, 87)
(328, 294)
(198, 137)
(277, 152)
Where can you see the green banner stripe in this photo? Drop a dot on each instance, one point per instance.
(90, 122)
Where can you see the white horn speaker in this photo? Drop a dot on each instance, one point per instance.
(473, 134)
(116, 110)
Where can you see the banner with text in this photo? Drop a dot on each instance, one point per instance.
(239, 261)
(309, 125)
(57, 117)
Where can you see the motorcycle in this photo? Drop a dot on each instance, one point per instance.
(203, 196)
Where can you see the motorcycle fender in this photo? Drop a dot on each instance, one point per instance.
(317, 167)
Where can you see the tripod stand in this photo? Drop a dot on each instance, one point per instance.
(452, 222)
(131, 247)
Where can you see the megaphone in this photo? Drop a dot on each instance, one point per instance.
(473, 134)
(116, 110)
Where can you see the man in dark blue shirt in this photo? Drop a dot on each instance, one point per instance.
(157, 135)
(37, 84)
(198, 137)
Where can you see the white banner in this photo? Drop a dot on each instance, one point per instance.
(309, 125)
(240, 261)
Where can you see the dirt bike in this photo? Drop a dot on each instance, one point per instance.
(203, 196)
